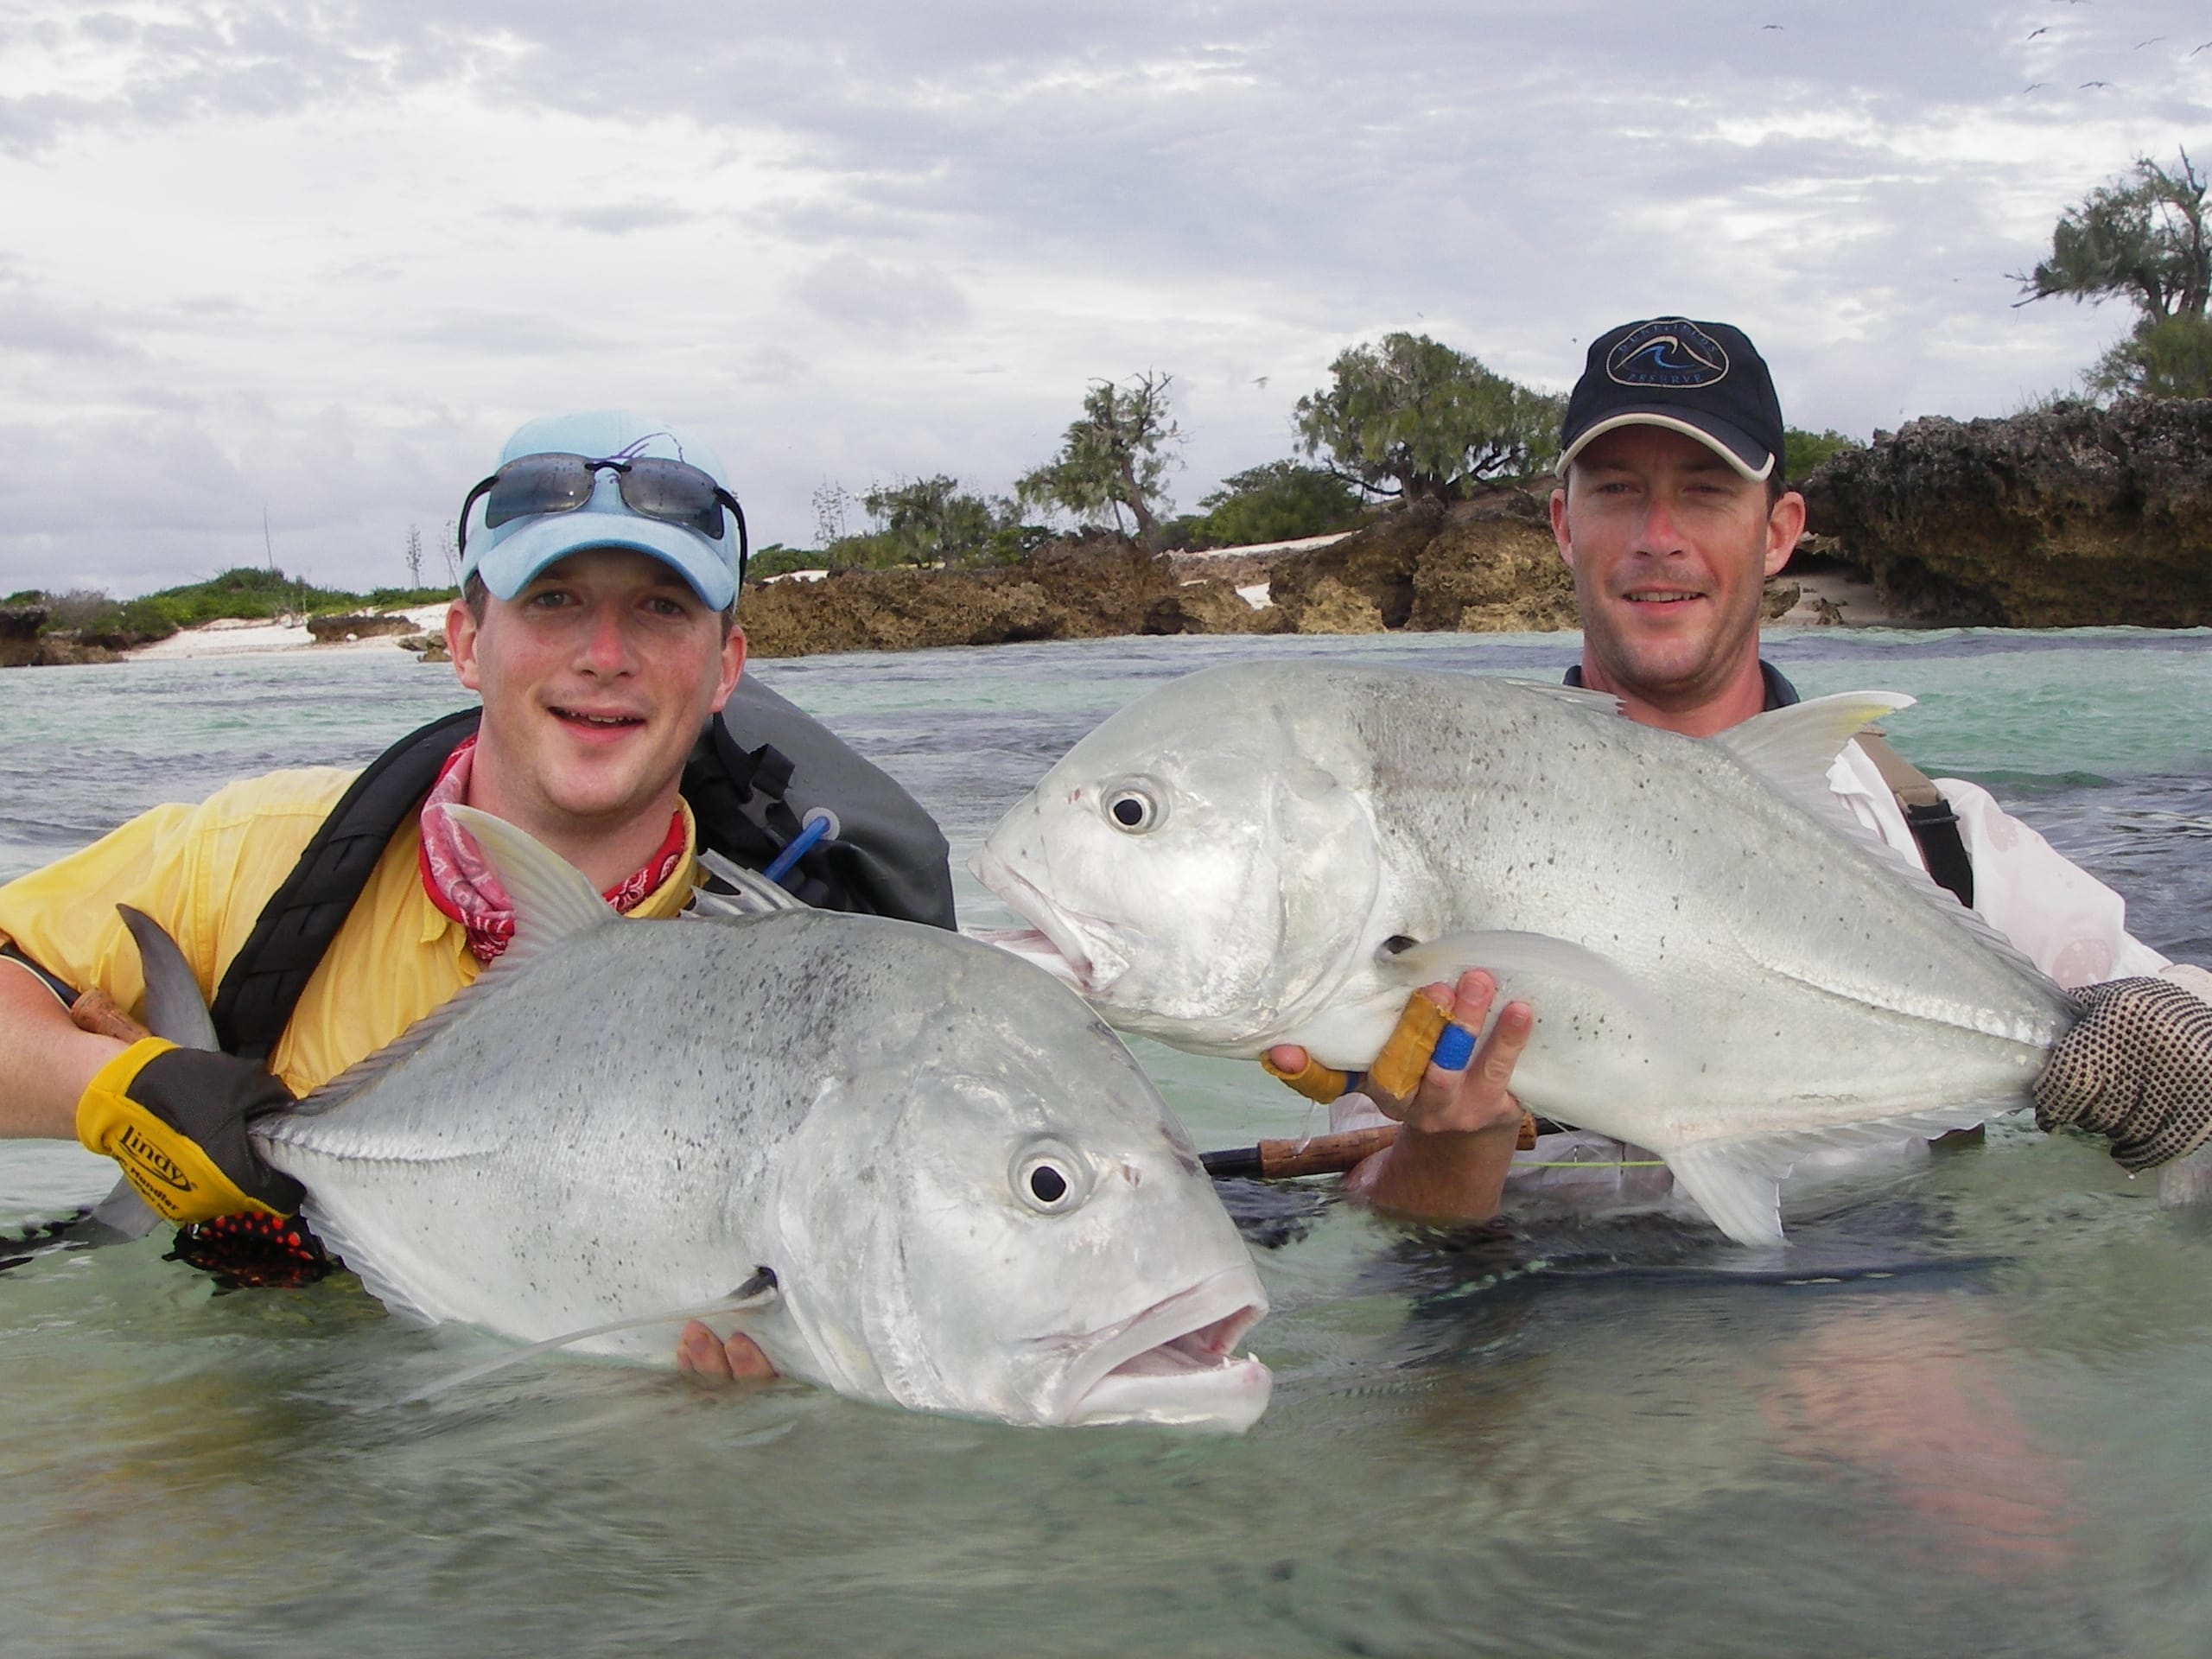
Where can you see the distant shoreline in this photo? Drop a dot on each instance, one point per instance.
(244, 637)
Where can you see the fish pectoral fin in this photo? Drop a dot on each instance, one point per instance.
(1737, 1182)
(1508, 956)
(757, 1292)
(1738, 1188)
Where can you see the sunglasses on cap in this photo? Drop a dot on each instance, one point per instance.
(674, 491)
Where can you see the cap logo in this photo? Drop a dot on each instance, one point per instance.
(1670, 351)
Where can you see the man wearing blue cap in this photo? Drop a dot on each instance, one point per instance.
(1671, 512)
(597, 623)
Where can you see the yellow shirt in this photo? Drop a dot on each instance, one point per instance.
(205, 872)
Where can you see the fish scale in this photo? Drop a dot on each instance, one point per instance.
(623, 1120)
(1724, 969)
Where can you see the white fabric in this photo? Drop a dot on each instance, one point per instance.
(2062, 918)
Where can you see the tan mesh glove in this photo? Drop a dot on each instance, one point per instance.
(2138, 1068)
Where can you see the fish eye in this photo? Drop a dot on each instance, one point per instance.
(1050, 1178)
(1134, 808)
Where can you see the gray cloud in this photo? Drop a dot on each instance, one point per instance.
(883, 300)
(812, 229)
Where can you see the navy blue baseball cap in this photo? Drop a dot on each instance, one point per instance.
(1704, 379)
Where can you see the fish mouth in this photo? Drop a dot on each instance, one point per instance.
(1051, 942)
(1175, 1363)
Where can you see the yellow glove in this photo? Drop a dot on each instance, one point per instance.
(176, 1120)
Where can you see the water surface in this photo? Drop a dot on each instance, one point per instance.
(1971, 1423)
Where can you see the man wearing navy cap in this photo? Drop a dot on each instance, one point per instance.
(1672, 511)
(597, 623)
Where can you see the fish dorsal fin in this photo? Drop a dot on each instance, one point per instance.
(757, 1292)
(1793, 748)
(365, 1071)
(554, 899)
(1796, 753)
(755, 894)
(1507, 954)
(554, 902)
(176, 1008)
(1604, 702)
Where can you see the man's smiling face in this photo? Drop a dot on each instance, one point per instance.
(596, 678)
(1670, 547)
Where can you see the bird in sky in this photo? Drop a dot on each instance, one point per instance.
(2153, 41)
(2086, 84)
(2033, 86)
(2193, 50)
(2032, 33)
(1766, 26)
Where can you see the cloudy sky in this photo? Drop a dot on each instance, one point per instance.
(312, 261)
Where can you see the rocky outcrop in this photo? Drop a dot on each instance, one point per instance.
(25, 642)
(1071, 590)
(1486, 566)
(2070, 517)
(1483, 565)
(19, 627)
(328, 630)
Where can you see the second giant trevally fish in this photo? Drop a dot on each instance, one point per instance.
(970, 1199)
(1724, 970)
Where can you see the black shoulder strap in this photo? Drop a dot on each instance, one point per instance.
(63, 992)
(1928, 815)
(888, 858)
(266, 977)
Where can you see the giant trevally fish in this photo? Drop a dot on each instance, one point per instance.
(969, 1197)
(1724, 969)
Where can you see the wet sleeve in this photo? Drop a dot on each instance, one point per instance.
(63, 916)
(2062, 919)
(202, 872)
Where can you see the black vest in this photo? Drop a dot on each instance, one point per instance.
(889, 857)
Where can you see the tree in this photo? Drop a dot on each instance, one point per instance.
(1415, 419)
(2165, 357)
(1281, 501)
(2143, 237)
(1803, 451)
(414, 556)
(929, 521)
(1111, 459)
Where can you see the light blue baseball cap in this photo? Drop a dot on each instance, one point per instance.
(508, 555)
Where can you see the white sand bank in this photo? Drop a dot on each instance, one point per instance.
(241, 637)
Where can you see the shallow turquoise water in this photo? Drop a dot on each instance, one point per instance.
(1600, 1439)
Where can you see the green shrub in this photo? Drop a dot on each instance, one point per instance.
(1803, 451)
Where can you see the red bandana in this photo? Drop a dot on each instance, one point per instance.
(461, 882)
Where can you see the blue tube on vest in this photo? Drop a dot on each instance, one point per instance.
(819, 825)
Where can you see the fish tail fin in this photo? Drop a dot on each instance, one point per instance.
(174, 1007)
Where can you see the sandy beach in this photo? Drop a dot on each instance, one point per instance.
(242, 638)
